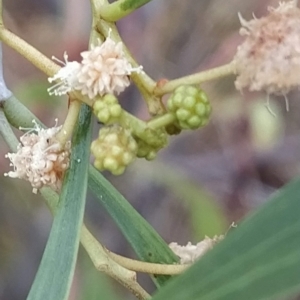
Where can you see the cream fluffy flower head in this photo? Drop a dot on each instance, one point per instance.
(40, 159)
(103, 70)
(190, 253)
(269, 58)
(66, 77)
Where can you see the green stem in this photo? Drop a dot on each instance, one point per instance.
(120, 9)
(197, 78)
(96, 6)
(136, 125)
(161, 121)
(66, 131)
(145, 267)
(104, 263)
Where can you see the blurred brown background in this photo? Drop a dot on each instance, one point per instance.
(202, 182)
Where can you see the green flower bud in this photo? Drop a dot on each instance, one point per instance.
(107, 109)
(190, 106)
(153, 141)
(146, 151)
(114, 149)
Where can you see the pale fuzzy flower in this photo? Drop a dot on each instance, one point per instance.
(190, 253)
(66, 77)
(40, 159)
(269, 58)
(103, 70)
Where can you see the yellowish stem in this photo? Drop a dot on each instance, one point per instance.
(30, 53)
(1, 12)
(161, 121)
(67, 129)
(104, 263)
(197, 78)
(145, 267)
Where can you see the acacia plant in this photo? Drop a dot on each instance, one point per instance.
(258, 260)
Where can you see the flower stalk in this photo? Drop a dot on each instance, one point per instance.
(196, 78)
(67, 129)
(38, 59)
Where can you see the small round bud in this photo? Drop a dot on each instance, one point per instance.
(107, 109)
(153, 141)
(146, 151)
(114, 149)
(191, 107)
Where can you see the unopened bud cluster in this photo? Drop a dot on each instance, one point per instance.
(156, 140)
(107, 109)
(191, 107)
(118, 145)
(114, 149)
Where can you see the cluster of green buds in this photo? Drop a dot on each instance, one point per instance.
(107, 109)
(190, 107)
(114, 149)
(124, 137)
(153, 141)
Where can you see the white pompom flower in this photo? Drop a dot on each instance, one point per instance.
(190, 253)
(269, 58)
(66, 77)
(103, 70)
(40, 159)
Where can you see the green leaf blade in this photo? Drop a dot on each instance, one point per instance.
(145, 241)
(53, 279)
(259, 260)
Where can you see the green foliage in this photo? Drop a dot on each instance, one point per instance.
(132, 4)
(145, 241)
(259, 260)
(56, 270)
(206, 216)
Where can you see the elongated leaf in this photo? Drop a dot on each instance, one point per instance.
(55, 273)
(259, 260)
(207, 217)
(146, 242)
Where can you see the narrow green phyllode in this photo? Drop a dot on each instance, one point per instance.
(56, 270)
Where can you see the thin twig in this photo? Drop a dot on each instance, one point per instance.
(104, 263)
(38, 59)
(145, 267)
(197, 78)
(66, 131)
